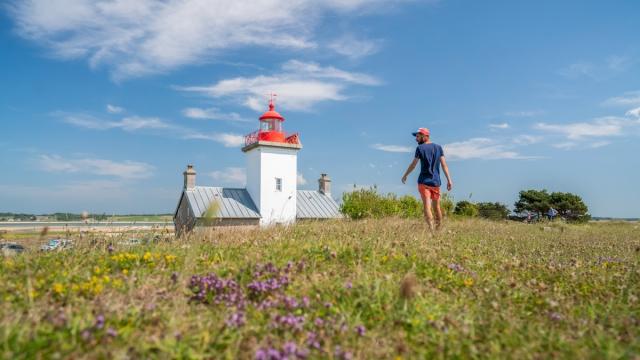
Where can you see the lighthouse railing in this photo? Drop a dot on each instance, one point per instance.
(251, 138)
(254, 137)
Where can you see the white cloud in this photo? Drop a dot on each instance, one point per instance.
(130, 123)
(124, 170)
(354, 48)
(618, 63)
(135, 38)
(499, 126)
(114, 109)
(634, 112)
(212, 114)
(578, 70)
(599, 144)
(608, 126)
(479, 148)
(525, 113)
(527, 139)
(568, 145)
(299, 86)
(226, 139)
(301, 180)
(137, 123)
(630, 98)
(392, 148)
(232, 176)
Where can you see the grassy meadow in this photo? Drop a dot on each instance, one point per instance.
(366, 289)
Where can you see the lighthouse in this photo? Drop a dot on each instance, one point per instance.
(271, 195)
(272, 168)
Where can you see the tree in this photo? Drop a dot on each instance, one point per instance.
(494, 211)
(569, 206)
(466, 208)
(534, 201)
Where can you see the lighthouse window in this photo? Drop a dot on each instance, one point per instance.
(265, 126)
(278, 184)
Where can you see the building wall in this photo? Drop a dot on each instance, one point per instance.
(184, 219)
(264, 165)
(204, 223)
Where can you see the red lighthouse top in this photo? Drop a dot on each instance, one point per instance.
(271, 129)
(272, 113)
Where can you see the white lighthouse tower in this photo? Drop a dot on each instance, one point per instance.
(272, 168)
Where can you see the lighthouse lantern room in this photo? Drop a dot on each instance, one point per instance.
(272, 168)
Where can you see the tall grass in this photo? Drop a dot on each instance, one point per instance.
(381, 288)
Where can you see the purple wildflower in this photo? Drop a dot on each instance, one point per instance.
(236, 319)
(456, 267)
(555, 316)
(289, 321)
(86, 335)
(99, 322)
(348, 285)
(110, 248)
(289, 348)
(318, 322)
(361, 330)
(174, 277)
(112, 332)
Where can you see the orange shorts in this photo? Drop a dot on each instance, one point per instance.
(429, 192)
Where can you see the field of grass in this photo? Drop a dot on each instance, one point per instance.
(368, 289)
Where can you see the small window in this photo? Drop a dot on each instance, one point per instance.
(278, 184)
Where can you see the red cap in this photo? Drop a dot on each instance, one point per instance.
(272, 113)
(423, 131)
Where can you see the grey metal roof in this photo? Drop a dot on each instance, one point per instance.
(233, 203)
(315, 205)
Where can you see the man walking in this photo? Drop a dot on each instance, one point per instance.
(431, 156)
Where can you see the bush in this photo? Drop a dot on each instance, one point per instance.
(446, 204)
(466, 208)
(368, 203)
(493, 211)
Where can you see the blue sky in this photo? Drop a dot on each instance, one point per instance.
(102, 104)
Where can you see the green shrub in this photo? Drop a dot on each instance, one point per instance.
(447, 204)
(368, 203)
(466, 208)
(493, 211)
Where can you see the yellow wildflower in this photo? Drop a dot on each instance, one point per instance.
(58, 288)
(125, 272)
(147, 256)
(468, 282)
(97, 270)
(169, 258)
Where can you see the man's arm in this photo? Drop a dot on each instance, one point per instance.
(409, 170)
(443, 162)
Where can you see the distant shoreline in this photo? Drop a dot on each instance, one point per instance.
(81, 225)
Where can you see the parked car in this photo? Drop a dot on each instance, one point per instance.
(55, 244)
(9, 249)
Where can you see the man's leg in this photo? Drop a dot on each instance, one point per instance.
(428, 215)
(426, 205)
(436, 206)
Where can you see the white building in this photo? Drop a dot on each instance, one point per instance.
(271, 195)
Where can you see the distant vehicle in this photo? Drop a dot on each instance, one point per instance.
(55, 244)
(9, 249)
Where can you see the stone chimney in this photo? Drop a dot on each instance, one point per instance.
(324, 184)
(189, 178)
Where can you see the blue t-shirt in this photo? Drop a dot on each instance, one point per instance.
(429, 155)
